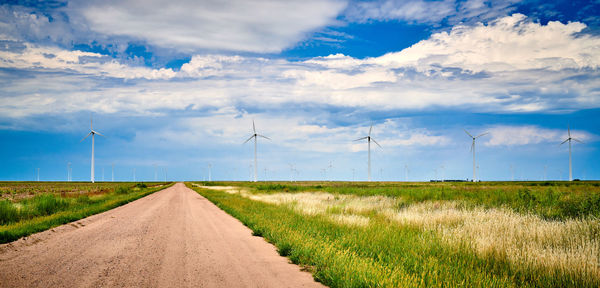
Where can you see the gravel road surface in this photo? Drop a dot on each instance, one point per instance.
(171, 238)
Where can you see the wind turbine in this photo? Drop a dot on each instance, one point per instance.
(93, 133)
(291, 172)
(473, 149)
(209, 176)
(255, 136)
(369, 139)
(569, 140)
(69, 171)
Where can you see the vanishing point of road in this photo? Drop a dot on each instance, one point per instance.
(171, 238)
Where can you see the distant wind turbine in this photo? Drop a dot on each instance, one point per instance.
(569, 140)
(369, 139)
(255, 136)
(69, 171)
(473, 149)
(93, 133)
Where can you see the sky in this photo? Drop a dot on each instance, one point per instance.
(174, 86)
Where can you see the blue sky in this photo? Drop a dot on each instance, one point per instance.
(175, 85)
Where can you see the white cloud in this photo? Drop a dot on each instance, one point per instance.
(527, 135)
(436, 73)
(229, 126)
(52, 58)
(431, 12)
(493, 47)
(233, 25)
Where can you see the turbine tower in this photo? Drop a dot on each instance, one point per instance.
(569, 140)
(93, 133)
(473, 149)
(369, 139)
(255, 136)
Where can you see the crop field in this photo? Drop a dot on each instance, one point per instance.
(30, 207)
(489, 234)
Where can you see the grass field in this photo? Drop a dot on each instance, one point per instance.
(30, 207)
(498, 234)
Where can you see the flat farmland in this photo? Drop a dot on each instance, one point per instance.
(30, 207)
(488, 234)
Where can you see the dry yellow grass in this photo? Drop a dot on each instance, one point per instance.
(571, 246)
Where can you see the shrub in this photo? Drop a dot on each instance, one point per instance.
(141, 185)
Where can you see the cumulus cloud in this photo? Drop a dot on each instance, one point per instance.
(52, 58)
(471, 67)
(233, 25)
(492, 47)
(528, 135)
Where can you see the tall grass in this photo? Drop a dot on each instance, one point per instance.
(550, 200)
(44, 211)
(380, 239)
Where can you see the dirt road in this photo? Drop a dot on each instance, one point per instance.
(172, 238)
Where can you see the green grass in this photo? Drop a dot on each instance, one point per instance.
(385, 253)
(548, 199)
(28, 215)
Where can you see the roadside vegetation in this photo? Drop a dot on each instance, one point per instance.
(30, 207)
(499, 234)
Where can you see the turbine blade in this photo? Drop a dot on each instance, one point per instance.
(249, 139)
(98, 133)
(565, 141)
(253, 127)
(472, 144)
(86, 137)
(569, 130)
(376, 142)
(482, 134)
(370, 130)
(577, 140)
(263, 136)
(469, 134)
(361, 138)
(91, 126)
